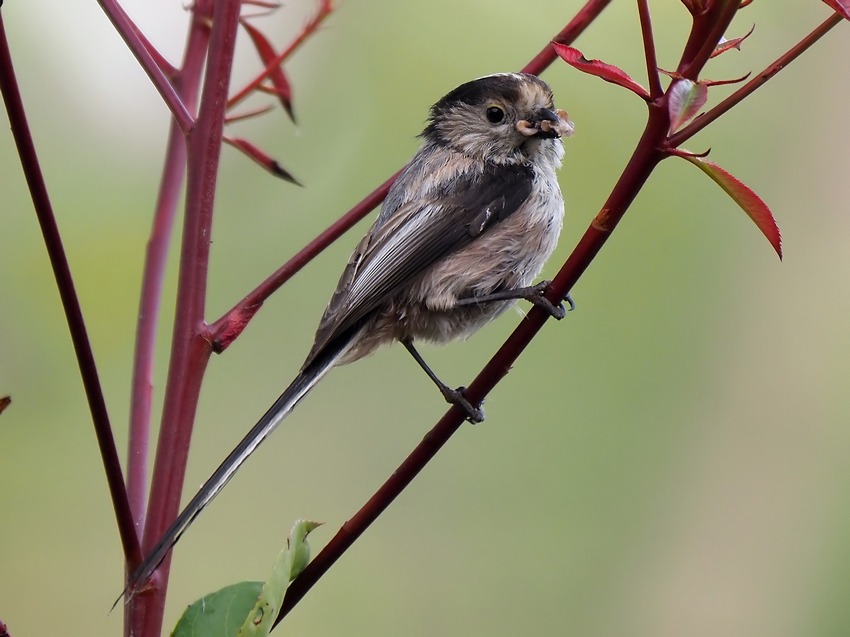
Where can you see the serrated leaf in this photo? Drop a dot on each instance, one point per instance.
(278, 78)
(842, 6)
(219, 614)
(289, 563)
(264, 160)
(600, 69)
(685, 98)
(744, 196)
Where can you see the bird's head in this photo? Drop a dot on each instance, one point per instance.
(503, 118)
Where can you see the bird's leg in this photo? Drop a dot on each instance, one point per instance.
(453, 396)
(533, 294)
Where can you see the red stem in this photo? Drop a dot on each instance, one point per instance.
(784, 60)
(70, 302)
(130, 33)
(709, 28)
(190, 345)
(655, 88)
(186, 83)
(587, 14)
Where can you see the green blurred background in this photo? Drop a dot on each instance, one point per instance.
(671, 459)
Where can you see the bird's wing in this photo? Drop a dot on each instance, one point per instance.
(414, 237)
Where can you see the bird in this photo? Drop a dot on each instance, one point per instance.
(464, 230)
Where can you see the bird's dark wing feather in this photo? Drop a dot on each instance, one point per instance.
(418, 234)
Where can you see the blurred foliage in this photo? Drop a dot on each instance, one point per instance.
(668, 460)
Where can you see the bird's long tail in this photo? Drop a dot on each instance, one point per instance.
(300, 387)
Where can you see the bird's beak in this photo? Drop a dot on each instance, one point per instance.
(546, 124)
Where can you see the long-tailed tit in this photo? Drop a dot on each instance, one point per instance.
(463, 232)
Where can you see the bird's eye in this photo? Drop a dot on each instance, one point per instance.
(495, 114)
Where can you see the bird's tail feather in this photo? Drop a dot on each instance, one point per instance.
(300, 387)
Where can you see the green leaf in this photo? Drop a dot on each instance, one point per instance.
(249, 608)
(744, 196)
(289, 563)
(219, 614)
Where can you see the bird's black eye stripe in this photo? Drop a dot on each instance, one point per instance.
(495, 114)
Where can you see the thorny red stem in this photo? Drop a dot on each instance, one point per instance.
(70, 301)
(654, 79)
(130, 33)
(784, 60)
(190, 345)
(186, 84)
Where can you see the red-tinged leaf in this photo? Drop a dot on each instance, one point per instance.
(5, 401)
(842, 6)
(735, 43)
(278, 78)
(262, 158)
(685, 98)
(607, 72)
(743, 195)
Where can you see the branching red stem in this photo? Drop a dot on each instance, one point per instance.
(70, 302)
(784, 60)
(142, 50)
(187, 84)
(653, 77)
(190, 348)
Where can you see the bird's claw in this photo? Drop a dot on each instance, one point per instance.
(456, 397)
(535, 296)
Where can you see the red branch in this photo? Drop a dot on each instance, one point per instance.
(784, 60)
(190, 347)
(70, 301)
(187, 84)
(646, 156)
(141, 48)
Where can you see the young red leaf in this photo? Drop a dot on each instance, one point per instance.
(5, 401)
(685, 98)
(278, 78)
(607, 72)
(261, 158)
(743, 195)
(842, 6)
(735, 43)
